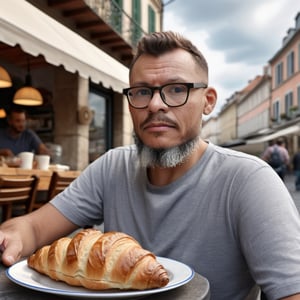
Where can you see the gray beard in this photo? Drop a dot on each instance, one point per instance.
(165, 158)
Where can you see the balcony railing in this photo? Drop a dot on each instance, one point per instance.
(113, 15)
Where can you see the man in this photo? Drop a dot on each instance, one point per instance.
(224, 213)
(278, 157)
(296, 167)
(17, 138)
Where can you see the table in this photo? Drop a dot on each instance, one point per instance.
(197, 288)
(44, 175)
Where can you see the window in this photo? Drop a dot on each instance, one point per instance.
(151, 20)
(100, 130)
(278, 74)
(288, 103)
(290, 64)
(276, 110)
(136, 16)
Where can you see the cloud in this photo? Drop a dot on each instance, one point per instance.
(237, 37)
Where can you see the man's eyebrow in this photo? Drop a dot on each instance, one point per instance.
(140, 83)
(172, 80)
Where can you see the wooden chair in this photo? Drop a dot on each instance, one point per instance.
(17, 193)
(59, 181)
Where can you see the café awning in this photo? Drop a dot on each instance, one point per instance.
(275, 135)
(23, 24)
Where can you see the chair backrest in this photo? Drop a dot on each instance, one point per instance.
(17, 191)
(59, 181)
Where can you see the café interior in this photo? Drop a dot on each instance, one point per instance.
(80, 111)
(71, 91)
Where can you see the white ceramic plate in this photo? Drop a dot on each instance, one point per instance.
(21, 274)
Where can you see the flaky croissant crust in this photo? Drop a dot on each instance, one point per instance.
(100, 261)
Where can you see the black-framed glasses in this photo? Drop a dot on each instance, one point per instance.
(172, 94)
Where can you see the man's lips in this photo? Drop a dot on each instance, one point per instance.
(158, 126)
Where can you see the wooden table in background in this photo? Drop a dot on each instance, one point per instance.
(44, 175)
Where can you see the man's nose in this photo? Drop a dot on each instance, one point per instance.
(156, 103)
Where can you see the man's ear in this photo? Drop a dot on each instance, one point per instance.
(210, 100)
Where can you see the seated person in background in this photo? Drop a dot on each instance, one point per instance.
(17, 138)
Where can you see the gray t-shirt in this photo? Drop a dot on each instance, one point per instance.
(27, 141)
(229, 217)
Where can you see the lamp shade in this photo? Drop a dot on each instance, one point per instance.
(28, 96)
(2, 113)
(5, 80)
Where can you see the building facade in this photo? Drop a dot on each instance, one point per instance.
(285, 103)
(269, 106)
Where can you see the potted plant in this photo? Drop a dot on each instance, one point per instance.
(294, 111)
(283, 116)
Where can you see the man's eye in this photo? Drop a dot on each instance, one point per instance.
(143, 92)
(177, 89)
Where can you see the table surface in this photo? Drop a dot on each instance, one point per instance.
(197, 288)
(44, 175)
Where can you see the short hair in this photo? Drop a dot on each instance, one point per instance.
(158, 43)
(280, 142)
(16, 110)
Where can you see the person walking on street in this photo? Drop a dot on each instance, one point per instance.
(296, 167)
(278, 157)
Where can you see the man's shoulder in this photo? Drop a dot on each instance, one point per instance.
(122, 151)
(234, 154)
(233, 159)
(4, 133)
(3, 130)
(29, 133)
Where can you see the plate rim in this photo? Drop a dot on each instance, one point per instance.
(100, 294)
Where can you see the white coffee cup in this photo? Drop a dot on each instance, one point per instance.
(26, 160)
(42, 161)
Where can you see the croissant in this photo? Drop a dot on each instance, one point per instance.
(100, 261)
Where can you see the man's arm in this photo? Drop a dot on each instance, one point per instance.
(6, 152)
(266, 155)
(43, 149)
(20, 237)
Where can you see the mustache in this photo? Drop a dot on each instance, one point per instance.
(159, 117)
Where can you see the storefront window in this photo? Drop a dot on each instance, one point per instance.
(99, 135)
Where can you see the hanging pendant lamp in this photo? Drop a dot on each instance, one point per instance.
(28, 95)
(2, 113)
(5, 80)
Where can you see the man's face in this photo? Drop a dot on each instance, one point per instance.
(17, 122)
(159, 126)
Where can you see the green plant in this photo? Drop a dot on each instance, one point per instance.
(283, 116)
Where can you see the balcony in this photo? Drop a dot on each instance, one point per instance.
(101, 22)
(118, 20)
(286, 119)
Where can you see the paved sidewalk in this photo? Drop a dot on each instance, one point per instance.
(290, 184)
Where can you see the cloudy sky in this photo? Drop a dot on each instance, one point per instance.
(237, 37)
